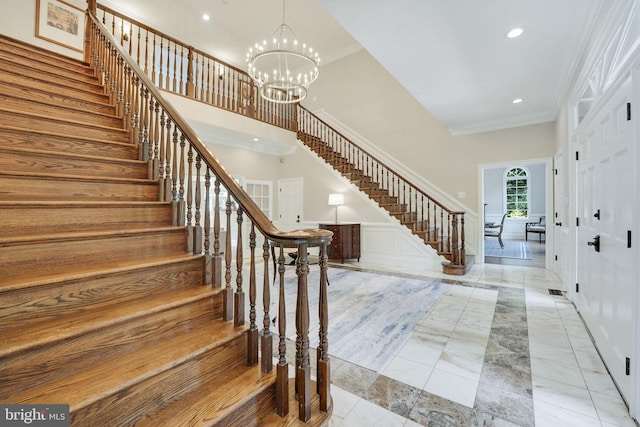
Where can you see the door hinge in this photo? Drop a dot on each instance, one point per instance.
(577, 287)
(577, 156)
(628, 111)
(627, 368)
(577, 221)
(628, 238)
(556, 171)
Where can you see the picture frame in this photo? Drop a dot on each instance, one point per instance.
(61, 23)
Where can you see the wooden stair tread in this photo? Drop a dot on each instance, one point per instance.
(81, 235)
(26, 71)
(68, 121)
(74, 156)
(87, 386)
(318, 418)
(58, 134)
(78, 177)
(204, 405)
(27, 281)
(7, 41)
(39, 334)
(38, 63)
(45, 96)
(6, 204)
(52, 109)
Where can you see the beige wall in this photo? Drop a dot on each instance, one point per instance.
(362, 95)
(18, 20)
(319, 181)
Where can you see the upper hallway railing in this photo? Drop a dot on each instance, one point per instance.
(193, 180)
(175, 66)
(183, 69)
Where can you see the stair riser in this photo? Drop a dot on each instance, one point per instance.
(59, 256)
(12, 78)
(49, 189)
(50, 163)
(62, 143)
(41, 219)
(261, 403)
(49, 95)
(43, 55)
(375, 192)
(130, 404)
(390, 200)
(46, 363)
(45, 302)
(49, 124)
(27, 73)
(38, 64)
(59, 112)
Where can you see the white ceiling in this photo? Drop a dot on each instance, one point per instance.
(452, 55)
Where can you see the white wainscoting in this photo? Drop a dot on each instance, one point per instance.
(388, 245)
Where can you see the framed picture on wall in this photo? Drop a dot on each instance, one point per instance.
(61, 23)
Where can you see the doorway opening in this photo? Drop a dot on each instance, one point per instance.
(514, 197)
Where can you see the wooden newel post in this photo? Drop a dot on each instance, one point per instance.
(455, 255)
(92, 7)
(191, 89)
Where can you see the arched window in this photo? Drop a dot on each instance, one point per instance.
(516, 185)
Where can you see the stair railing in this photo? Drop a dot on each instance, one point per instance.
(175, 66)
(186, 171)
(438, 226)
(178, 67)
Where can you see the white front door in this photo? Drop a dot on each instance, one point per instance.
(606, 278)
(290, 203)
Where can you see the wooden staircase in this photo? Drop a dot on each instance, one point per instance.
(429, 233)
(102, 306)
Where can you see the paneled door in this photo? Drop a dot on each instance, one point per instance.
(605, 251)
(290, 194)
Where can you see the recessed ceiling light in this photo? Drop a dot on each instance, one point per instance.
(256, 139)
(517, 101)
(516, 32)
(205, 17)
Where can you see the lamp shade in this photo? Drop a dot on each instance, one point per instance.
(336, 199)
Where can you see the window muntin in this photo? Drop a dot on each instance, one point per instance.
(517, 193)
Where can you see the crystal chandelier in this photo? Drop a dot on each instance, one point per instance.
(283, 69)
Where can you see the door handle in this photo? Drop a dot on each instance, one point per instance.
(595, 243)
(559, 224)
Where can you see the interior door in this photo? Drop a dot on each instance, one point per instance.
(290, 203)
(606, 273)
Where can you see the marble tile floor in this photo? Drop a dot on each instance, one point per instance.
(497, 350)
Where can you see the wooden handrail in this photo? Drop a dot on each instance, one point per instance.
(298, 118)
(206, 78)
(172, 159)
(264, 224)
(413, 207)
(390, 169)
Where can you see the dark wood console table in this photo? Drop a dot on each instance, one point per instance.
(346, 241)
